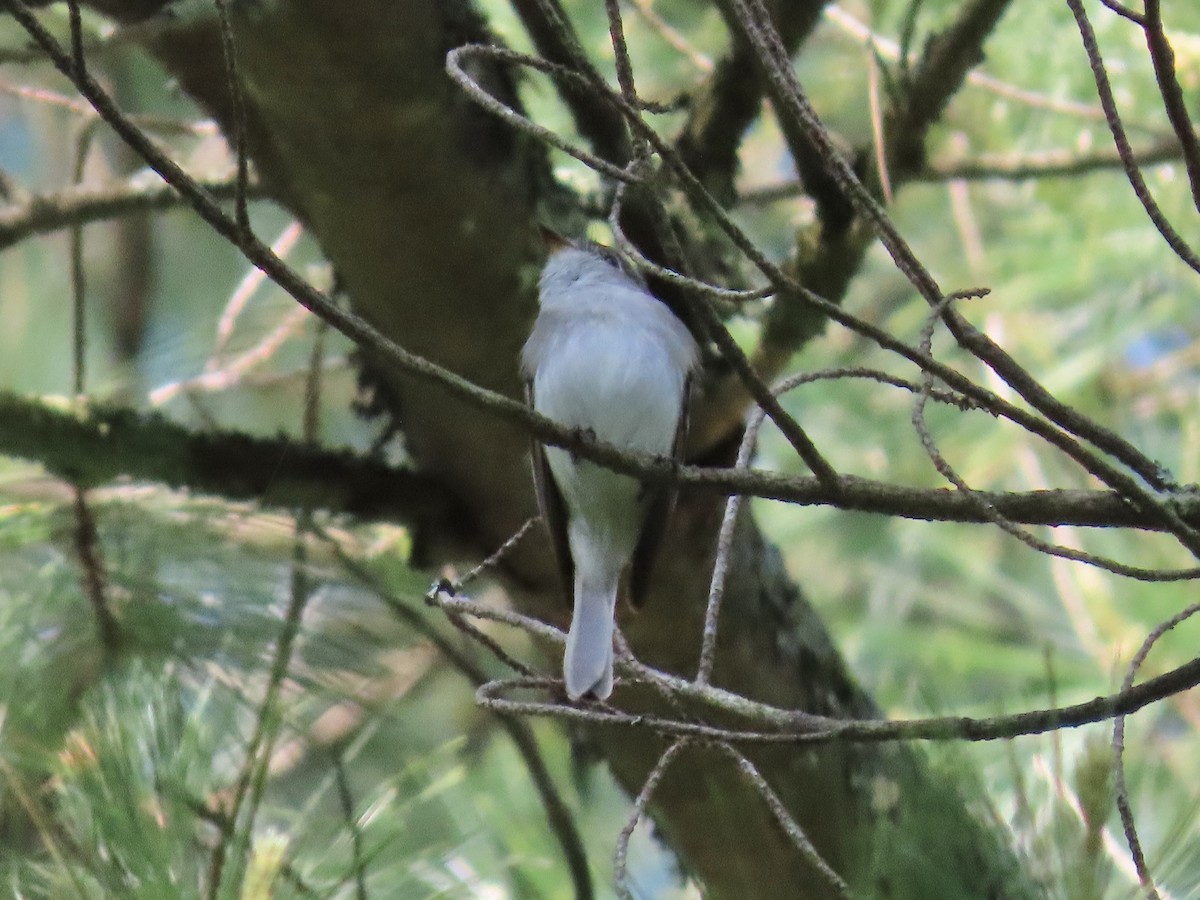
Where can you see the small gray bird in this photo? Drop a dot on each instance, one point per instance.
(604, 356)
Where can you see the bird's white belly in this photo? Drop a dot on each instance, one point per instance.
(620, 385)
(623, 387)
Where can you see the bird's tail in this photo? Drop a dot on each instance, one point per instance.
(588, 665)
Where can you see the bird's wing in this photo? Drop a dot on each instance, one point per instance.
(553, 510)
(659, 502)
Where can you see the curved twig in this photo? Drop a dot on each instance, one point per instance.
(1118, 745)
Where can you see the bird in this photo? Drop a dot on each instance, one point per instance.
(609, 359)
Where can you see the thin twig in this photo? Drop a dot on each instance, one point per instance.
(456, 586)
(452, 588)
(242, 294)
(1125, 12)
(1118, 745)
(516, 120)
(1051, 164)
(346, 801)
(674, 38)
(83, 144)
(234, 86)
(794, 727)
(1121, 140)
(987, 511)
(790, 827)
(251, 780)
(91, 565)
(616, 37)
(1163, 58)
(640, 802)
(29, 214)
(716, 591)
(1020, 167)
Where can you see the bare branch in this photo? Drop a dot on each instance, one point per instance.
(728, 102)
(673, 37)
(938, 76)
(554, 38)
(758, 27)
(779, 726)
(799, 728)
(640, 802)
(794, 832)
(1118, 745)
(93, 578)
(83, 204)
(277, 472)
(1163, 58)
(1016, 167)
(1125, 12)
(1050, 164)
(1121, 140)
(251, 779)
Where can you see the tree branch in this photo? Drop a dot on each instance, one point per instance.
(109, 443)
(83, 204)
(1163, 58)
(554, 38)
(1014, 167)
(941, 72)
(827, 258)
(725, 106)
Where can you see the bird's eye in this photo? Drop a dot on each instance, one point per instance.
(610, 256)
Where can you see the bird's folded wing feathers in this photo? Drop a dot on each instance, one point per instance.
(553, 510)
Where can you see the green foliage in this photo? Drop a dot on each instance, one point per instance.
(118, 773)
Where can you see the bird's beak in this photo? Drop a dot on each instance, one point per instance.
(553, 240)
